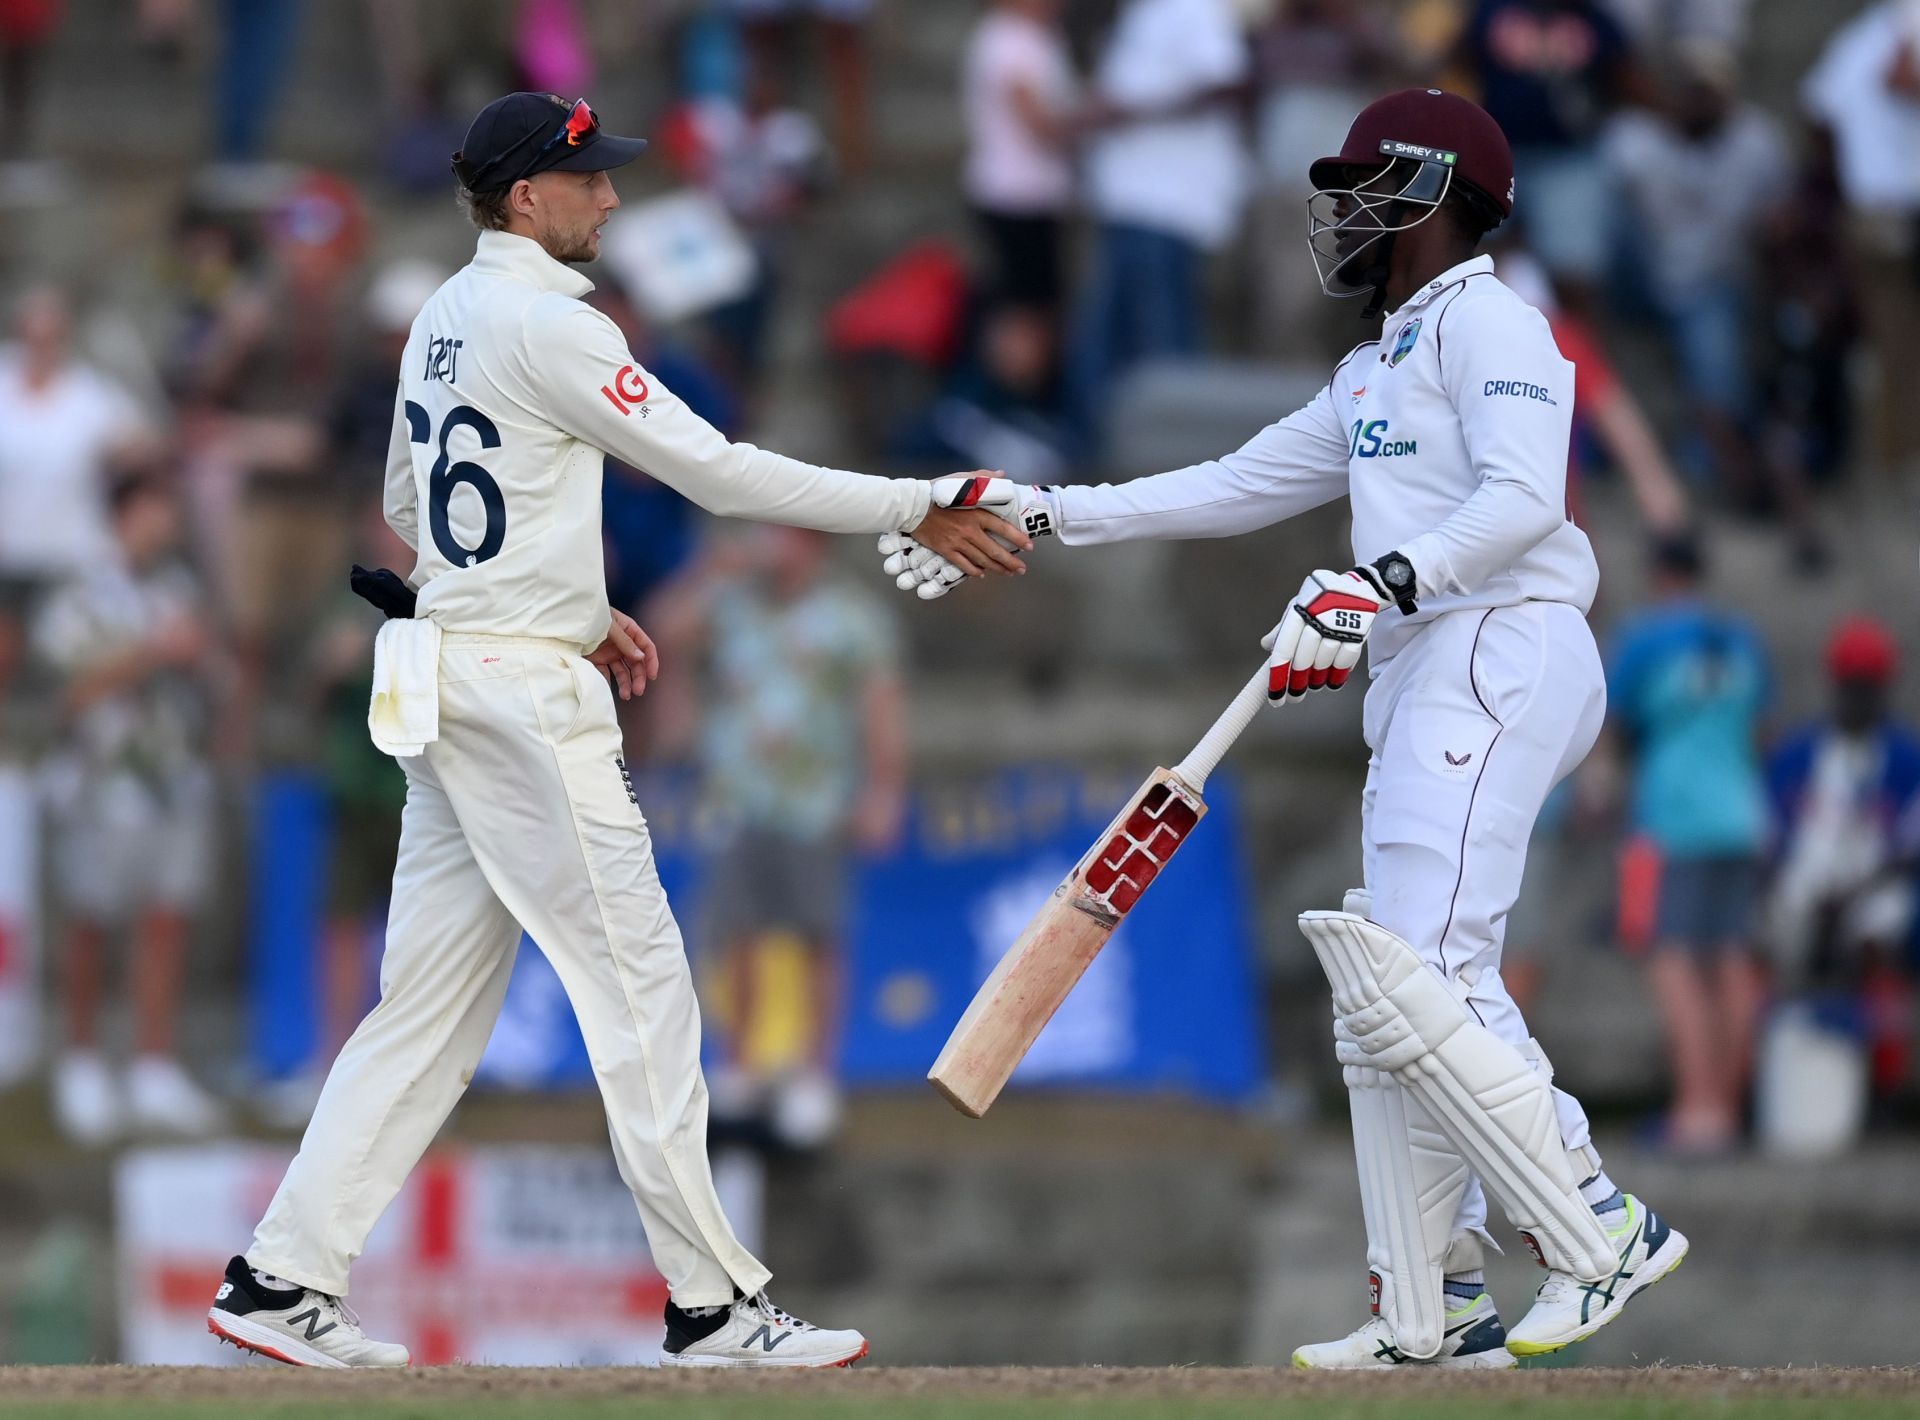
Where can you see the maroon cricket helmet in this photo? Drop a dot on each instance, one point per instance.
(1428, 125)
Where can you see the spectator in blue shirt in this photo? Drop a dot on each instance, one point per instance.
(1550, 72)
(1687, 686)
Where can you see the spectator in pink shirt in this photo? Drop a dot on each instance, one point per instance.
(1019, 91)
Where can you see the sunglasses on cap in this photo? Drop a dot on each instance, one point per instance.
(582, 123)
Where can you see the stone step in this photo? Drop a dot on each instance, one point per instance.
(1824, 1235)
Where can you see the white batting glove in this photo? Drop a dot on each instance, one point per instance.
(917, 569)
(1034, 507)
(1318, 642)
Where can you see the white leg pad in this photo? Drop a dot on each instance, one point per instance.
(1480, 1092)
(1411, 1181)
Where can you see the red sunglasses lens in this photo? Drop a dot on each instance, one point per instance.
(581, 124)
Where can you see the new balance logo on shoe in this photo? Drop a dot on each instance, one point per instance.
(311, 1319)
(226, 1290)
(765, 1337)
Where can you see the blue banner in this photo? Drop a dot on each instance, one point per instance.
(1170, 1004)
(286, 905)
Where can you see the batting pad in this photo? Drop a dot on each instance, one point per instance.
(1481, 1092)
(1411, 1181)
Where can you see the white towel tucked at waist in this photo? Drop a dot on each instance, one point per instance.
(404, 717)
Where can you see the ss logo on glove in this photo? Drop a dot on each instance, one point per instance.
(1317, 643)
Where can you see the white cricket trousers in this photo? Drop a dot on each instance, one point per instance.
(520, 815)
(1471, 725)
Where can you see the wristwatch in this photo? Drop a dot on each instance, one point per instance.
(1395, 574)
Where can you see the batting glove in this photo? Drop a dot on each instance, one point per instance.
(1318, 642)
(1034, 507)
(915, 568)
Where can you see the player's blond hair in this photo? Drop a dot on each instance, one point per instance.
(486, 210)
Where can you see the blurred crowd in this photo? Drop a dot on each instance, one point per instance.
(1767, 868)
(1758, 251)
(178, 505)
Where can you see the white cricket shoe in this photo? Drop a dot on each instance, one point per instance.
(163, 1099)
(86, 1099)
(1474, 1341)
(757, 1333)
(1566, 1310)
(299, 1325)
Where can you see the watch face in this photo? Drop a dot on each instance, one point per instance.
(1399, 574)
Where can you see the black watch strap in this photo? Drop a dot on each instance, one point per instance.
(1395, 575)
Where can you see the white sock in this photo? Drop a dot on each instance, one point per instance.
(1600, 1195)
(276, 1284)
(1464, 1286)
(704, 1311)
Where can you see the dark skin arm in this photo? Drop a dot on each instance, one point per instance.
(1099, 114)
(1041, 121)
(1903, 75)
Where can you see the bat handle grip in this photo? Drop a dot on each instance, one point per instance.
(1214, 744)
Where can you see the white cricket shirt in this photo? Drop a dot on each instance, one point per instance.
(1449, 436)
(511, 392)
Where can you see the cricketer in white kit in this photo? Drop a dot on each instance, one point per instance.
(519, 812)
(1449, 437)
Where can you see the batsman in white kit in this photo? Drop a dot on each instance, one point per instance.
(491, 689)
(1449, 436)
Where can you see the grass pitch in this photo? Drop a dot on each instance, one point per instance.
(484, 1393)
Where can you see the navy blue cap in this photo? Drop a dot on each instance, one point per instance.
(526, 133)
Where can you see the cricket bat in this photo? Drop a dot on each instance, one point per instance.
(1060, 943)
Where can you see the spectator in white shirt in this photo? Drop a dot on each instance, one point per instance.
(1864, 95)
(64, 428)
(1724, 165)
(1019, 93)
(1166, 177)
